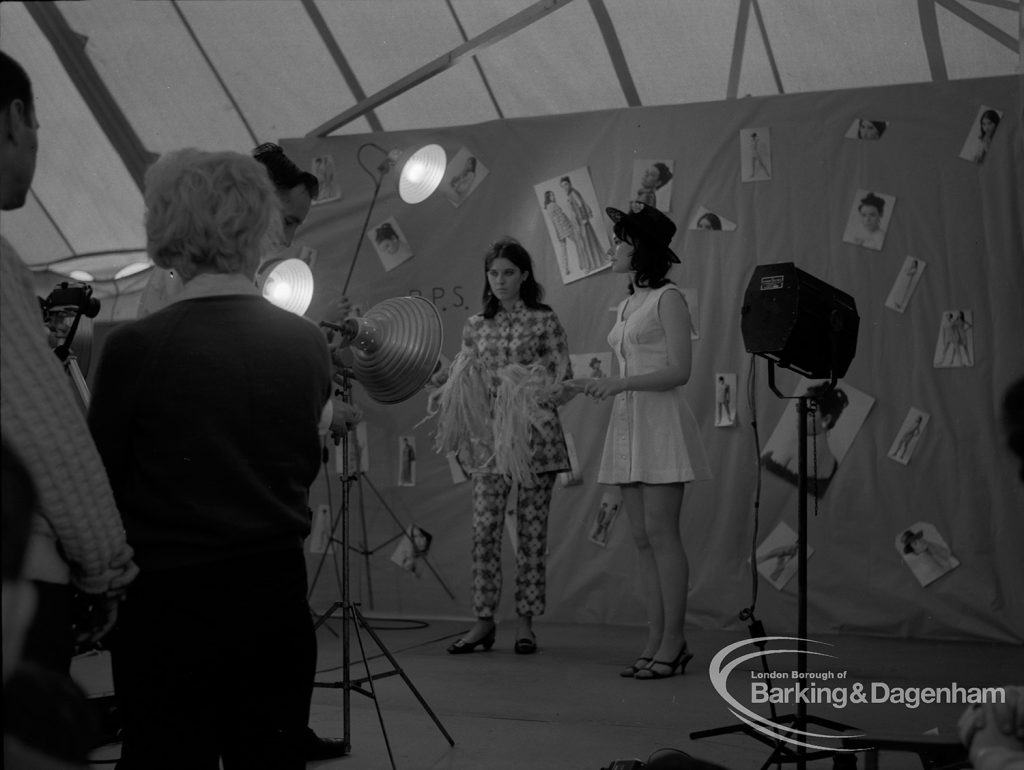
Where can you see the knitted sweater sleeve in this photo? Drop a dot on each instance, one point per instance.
(42, 420)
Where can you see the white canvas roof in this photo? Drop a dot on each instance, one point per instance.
(118, 82)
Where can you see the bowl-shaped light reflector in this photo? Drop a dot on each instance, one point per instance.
(396, 347)
(422, 173)
(289, 285)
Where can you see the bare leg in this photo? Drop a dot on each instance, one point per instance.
(661, 505)
(633, 502)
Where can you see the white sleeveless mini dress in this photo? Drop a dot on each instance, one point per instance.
(652, 436)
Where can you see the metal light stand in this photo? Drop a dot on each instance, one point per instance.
(366, 552)
(799, 721)
(362, 548)
(352, 618)
(70, 361)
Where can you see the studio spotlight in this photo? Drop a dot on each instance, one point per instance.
(799, 322)
(395, 347)
(287, 283)
(421, 172)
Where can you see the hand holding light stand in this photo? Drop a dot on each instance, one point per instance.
(395, 346)
(62, 311)
(800, 323)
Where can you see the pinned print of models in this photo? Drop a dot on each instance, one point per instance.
(925, 552)
(652, 182)
(464, 174)
(777, 556)
(755, 154)
(570, 208)
(905, 283)
(910, 433)
(390, 243)
(323, 170)
(711, 221)
(978, 143)
(831, 428)
(869, 219)
(725, 399)
(955, 345)
(604, 517)
(866, 129)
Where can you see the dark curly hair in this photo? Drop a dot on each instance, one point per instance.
(650, 261)
(283, 172)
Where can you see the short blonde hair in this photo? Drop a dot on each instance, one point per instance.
(209, 212)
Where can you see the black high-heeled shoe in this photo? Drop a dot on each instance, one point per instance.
(461, 646)
(629, 671)
(680, 661)
(526, 645)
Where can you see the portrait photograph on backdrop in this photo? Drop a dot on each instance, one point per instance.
(706, 219)
(413, 547)
(390, 243)
(905, 284)
(926, 552)
(406, 461)
(323, 170)
(869, 219)
(909, 435)
(979, 138)
(869, 130)
(755, 154)
(652, 182)
(955, 345)
(591, 364)
(604, 518)
(725, 399)
(464, 174)
(777, 555)
(574, 220)
(831, 429)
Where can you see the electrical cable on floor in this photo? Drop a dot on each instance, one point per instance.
(747, 613)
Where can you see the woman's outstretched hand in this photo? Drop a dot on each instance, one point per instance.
(600, 388)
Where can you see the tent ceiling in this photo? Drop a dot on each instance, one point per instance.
(219, 74)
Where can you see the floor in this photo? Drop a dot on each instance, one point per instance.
(566, 708)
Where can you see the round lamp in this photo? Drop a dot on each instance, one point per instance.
(422, 173)
(287, 283)
(395, 347)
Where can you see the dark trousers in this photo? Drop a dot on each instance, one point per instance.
(49, 640)
(216, 661)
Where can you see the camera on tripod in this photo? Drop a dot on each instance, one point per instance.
(63, 308)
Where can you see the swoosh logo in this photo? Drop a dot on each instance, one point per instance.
(719, 671)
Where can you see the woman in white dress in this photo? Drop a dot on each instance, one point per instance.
(653, 445)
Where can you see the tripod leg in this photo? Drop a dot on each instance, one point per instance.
(391, 513)
(361, 621)
(369, 678)
(364, 547)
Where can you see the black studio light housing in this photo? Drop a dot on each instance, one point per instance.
(799, 322)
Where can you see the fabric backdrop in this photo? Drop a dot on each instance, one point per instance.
(961, 218)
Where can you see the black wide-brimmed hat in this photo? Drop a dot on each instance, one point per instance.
(647, 223)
